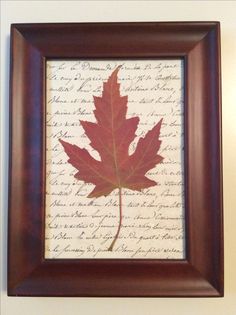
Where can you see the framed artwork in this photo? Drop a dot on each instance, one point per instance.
(115, 181)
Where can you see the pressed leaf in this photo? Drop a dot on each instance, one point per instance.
(111, 137)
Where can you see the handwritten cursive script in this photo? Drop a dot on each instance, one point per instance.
(153, 220)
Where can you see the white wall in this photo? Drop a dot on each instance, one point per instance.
(81, 11)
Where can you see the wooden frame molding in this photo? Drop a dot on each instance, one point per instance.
(201, 273)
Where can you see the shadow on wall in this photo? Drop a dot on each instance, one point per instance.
(5, 157)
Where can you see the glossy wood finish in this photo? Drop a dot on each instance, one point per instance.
(201, 274)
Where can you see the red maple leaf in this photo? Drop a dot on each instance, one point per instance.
(111, 137)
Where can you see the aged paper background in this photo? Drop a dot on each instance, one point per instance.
(153, 220)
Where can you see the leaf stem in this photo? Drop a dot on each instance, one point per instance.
(120, 221)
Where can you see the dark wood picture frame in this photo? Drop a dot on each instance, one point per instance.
(201, 273)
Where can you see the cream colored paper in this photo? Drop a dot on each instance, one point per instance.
(153, 220)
